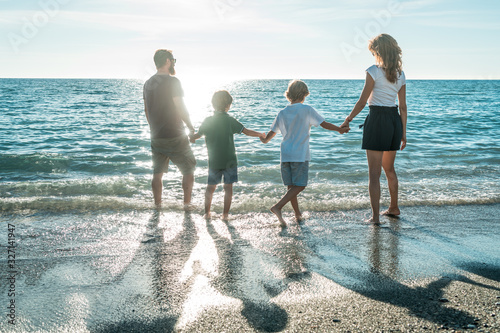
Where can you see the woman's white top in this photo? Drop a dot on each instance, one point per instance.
(384, 92)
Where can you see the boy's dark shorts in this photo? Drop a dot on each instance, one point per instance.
(215, 176)
(176, 150)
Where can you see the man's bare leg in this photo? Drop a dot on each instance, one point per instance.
(157, 186)
(392, 182)
(228, 197)
(290, 194)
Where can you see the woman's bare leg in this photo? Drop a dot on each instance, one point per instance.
(374, 169)
(392, 181)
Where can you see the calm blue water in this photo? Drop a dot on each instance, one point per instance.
(84, 145)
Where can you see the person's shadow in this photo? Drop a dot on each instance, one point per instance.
(165, 259)
(384, 250)
(239, 270)
(379, 281)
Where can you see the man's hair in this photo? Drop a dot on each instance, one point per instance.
(221, 100)
(161, 57)
(297, 91)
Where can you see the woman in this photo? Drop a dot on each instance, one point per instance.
(384, 130)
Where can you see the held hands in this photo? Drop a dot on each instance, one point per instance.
(192, 136)
(263, 137)
(344, 129)
(345, 124)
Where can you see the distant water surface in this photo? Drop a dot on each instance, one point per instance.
(84, 144)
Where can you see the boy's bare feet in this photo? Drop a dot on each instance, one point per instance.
(299, 217)
(225, 217)
(391, 212)
(208, 215)
(277, 212)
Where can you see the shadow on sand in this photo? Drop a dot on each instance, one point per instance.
(237, 280)
(166, 259)
(380, 282)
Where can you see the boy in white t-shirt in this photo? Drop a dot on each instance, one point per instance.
(294, 122)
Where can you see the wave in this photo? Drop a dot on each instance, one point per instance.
(249, 204)
(134, 193)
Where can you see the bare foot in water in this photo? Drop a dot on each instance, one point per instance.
(372, 221)
(391, 212)
(188, 207)
(277, 212)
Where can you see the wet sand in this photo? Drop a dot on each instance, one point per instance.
(435, 268)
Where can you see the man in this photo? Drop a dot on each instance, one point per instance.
(166, 114)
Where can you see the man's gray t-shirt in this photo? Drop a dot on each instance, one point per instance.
(159, 93)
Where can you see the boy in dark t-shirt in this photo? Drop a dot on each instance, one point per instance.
(219, 130)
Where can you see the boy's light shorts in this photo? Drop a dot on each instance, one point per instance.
(215, 176)
(295, 173)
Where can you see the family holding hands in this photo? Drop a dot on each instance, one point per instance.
(384, 132)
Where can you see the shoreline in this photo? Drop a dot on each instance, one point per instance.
(435, 268)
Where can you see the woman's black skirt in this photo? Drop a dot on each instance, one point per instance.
(382, 129)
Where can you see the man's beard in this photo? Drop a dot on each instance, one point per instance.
(171, 70)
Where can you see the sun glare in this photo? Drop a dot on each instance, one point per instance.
(198, 95)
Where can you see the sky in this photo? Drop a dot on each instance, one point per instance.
(246, 39)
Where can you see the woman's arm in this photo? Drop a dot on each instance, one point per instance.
(360, 104)
(403, 112)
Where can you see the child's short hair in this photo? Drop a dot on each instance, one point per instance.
(297, 91)
(221, 100)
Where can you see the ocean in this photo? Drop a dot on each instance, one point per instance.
(85, 250)
(83, 144)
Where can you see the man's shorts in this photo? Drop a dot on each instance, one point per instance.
(215, 176)
(176, 150)
(295, 173)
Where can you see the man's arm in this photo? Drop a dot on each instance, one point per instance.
(268, 137)
(183, 113)
(253, 133)
(146, 111)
